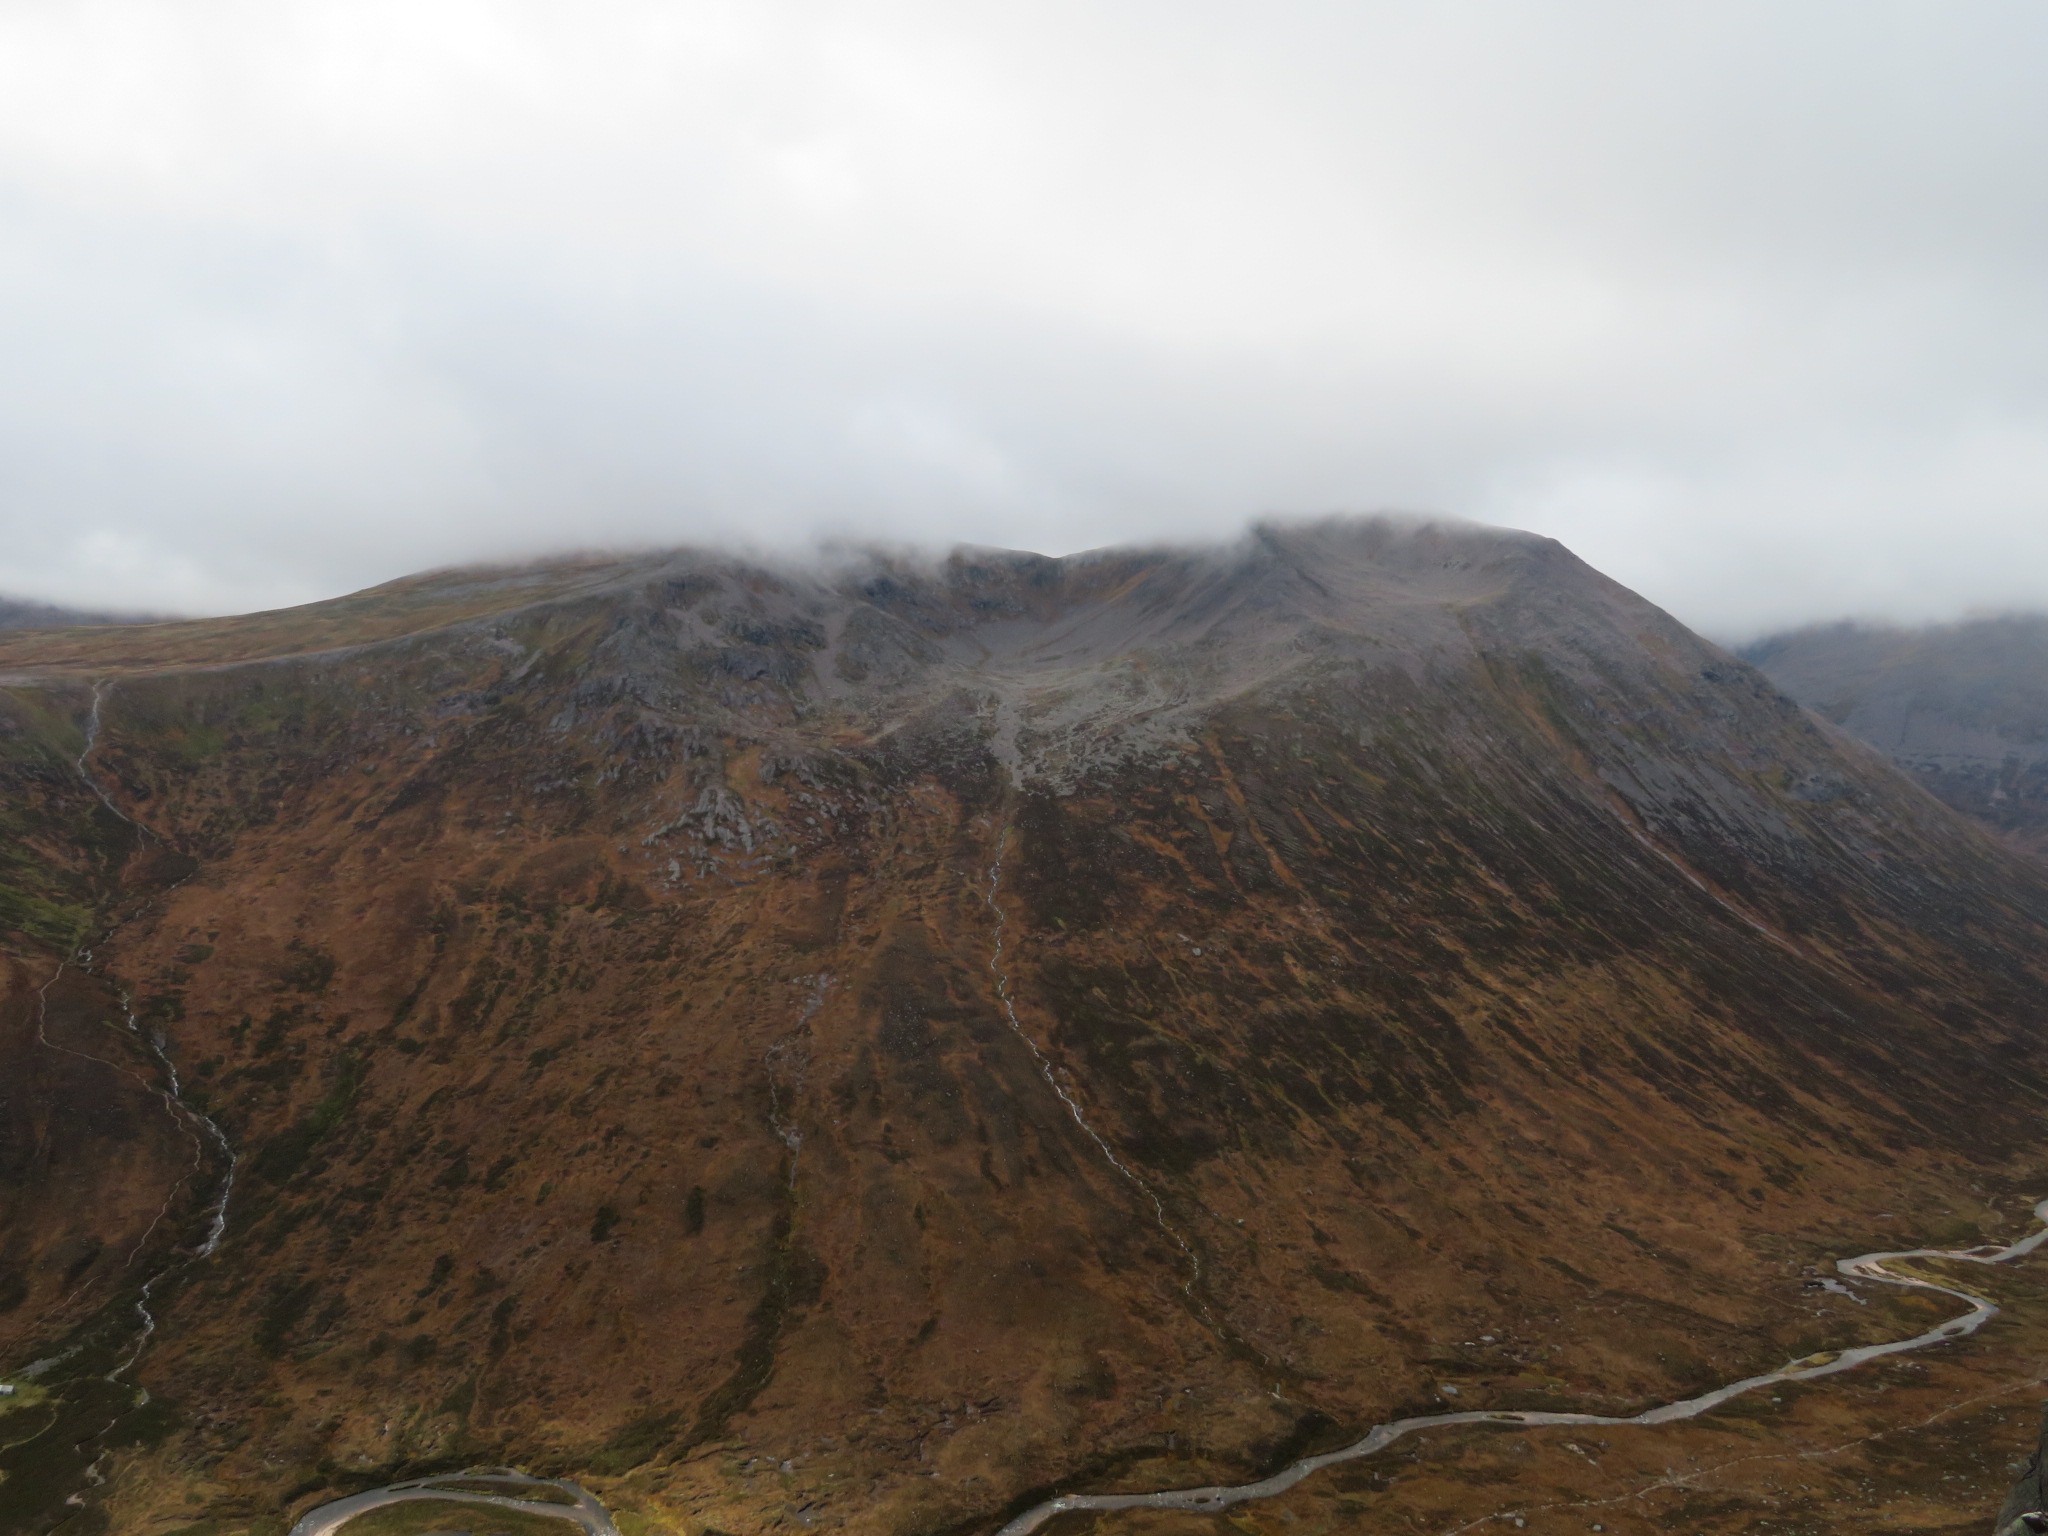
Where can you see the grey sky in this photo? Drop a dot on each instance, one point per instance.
(1745, 301)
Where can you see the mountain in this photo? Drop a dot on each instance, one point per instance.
(20, 613)
(865, 1045)
(1962, 707)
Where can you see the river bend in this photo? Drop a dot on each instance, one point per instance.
(326, 1519)
(1865, 1267)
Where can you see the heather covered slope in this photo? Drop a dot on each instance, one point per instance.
(1961, 707)
(871, 1042)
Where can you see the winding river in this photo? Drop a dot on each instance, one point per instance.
(326, 1519)
(1865, 1267)
(585, 1511)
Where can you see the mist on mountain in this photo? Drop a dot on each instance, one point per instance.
(900, 1037)
(1742, 301)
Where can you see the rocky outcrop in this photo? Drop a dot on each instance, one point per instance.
(2026, 1508)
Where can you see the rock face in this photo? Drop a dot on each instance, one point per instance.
(1961, 707)
(2025, 1511)
(860, 1046)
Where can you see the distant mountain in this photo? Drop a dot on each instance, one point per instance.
(1962, 707)
(19, 613)
(868, 1047)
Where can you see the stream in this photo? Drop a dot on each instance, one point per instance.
(1190, 1286)
(204, 1130)
(95, 1391)
(205, 1133)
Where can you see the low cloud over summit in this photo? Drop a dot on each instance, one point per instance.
(1742, 302)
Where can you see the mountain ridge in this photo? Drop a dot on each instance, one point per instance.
(25, 613)
(1962, 707)
(962, 1028)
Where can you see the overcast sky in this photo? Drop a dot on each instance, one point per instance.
(1747, 302)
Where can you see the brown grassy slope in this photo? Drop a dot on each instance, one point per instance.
(1441, 943)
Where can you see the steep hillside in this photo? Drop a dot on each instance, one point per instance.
(864, 1046)
(1962, 707)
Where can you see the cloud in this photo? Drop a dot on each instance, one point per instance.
(1741, 300)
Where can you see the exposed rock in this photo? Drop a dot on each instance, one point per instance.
(2026, 1507)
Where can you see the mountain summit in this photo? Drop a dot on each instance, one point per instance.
(868, 1045)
